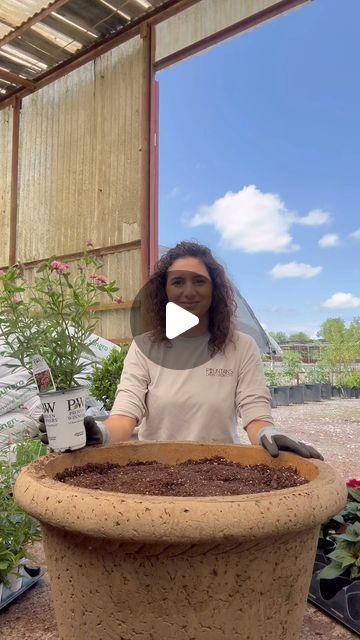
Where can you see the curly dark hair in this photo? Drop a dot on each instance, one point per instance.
(222, 311)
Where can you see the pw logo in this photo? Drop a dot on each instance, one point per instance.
(75, 403)
(48, 407)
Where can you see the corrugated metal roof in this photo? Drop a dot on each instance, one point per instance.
(31, 44)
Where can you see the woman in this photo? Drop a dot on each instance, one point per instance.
(195, 386)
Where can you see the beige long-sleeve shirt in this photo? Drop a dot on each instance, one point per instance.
(197, 403)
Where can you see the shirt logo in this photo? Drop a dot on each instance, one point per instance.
(219, 373)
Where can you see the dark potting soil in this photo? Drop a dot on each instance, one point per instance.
(207, 477)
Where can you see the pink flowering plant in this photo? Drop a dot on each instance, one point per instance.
(53, 316)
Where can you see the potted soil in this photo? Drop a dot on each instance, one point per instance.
(165, 566)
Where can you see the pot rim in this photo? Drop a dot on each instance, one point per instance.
(105, 514)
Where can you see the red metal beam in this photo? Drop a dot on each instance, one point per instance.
(37, 17)
(228, 32)
(159, 14)
(14, 181)
(154, 174)
(12, 77)
(147, 80)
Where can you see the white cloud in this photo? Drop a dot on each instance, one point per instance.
(314, 218)
(342, 301)
(294, 270)
(355, 234)
(253, 221)
(249, 220)
(329, 240)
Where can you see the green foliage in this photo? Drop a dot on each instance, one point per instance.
(279, 336)
(293, 366)
(350, 380)
(53, 315)
(318, 373)
(17, 528)
(300, 337)
(106, 377)
(344, 529)
(343, 343)
(274, 378)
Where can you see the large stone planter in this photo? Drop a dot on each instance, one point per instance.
(131, 566)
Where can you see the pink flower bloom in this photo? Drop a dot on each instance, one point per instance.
(16, 299)
(2, 272)
(60, 267)
(119, 300)
(353, 483)
(98, 279)
(64, 268)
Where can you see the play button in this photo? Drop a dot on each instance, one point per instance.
(160, 327)
(178, 320)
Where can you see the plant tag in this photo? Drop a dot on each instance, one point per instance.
(42, 374)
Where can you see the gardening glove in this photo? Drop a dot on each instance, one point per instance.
(275, 441)
(96, 432)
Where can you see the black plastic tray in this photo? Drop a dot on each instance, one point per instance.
(31, 576)
(339, 597)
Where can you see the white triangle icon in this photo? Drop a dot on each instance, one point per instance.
(178, 320)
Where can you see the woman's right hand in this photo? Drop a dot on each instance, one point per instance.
(114, 429)
(96, 432)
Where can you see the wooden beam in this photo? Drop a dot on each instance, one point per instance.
(14, 180)
(12, 77)
(37, 17)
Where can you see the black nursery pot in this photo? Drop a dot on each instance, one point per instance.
(281, 396)
(312, 392)
(325, 391)
(296, 394)
(339, 597)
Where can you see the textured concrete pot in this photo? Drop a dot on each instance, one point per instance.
(131, 566)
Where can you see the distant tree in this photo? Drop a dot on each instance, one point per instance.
(343, 344)
(279, 336)
(333, 329)
(301, 337)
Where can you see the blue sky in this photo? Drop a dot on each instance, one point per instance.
(260, 160)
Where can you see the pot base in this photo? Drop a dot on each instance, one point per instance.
(207, 591)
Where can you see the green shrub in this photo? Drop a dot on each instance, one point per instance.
(17, 528)
(293, 366)
(318, 373)
(349, 380)
(106, 377)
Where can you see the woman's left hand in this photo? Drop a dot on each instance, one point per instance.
(275, 441)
